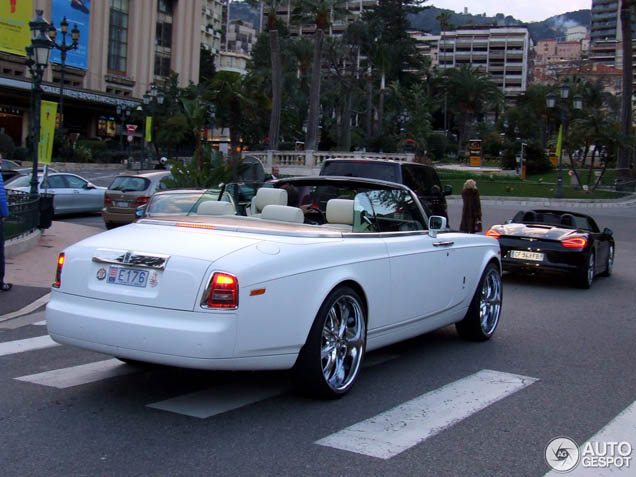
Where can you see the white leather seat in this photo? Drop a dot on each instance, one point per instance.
(283, 213)
(340, 214)
(267, 196)
(215, 207)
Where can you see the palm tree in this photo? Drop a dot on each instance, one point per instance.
(626, 107)
(319, 13)
(444, 20)
(471, 92)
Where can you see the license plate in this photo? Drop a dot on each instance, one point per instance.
(127, 276)
(523, 255)
(121, 204)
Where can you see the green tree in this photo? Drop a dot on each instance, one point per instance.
(626, 151)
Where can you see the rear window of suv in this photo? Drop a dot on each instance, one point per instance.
(130, 184)
(370, 169)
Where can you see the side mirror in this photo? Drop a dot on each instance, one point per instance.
(436, 224)
(89, 186)
(608, 232)
(448, 189)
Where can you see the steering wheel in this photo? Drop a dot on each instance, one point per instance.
(315, 216)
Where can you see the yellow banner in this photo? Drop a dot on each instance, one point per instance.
(148, 128)
(559, 140)
(15, 34)
(48, 113)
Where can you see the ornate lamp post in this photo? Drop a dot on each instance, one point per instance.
(564, 92)
(123, 112)
(37, 60)
(151, 98)
(63, 47)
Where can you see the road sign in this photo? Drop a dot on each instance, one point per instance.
(129, 139)
(131, 128)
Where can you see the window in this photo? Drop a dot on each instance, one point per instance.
(164, 6)
(389, 210)
(75, 182)
(162, 64)
(54, 182)
(164, 34)
(118, 35)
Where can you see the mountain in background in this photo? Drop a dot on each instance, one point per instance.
(426, 20)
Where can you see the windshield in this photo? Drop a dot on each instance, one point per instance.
(373, 170)
(19, 181)
(129, 184)
(181, 203)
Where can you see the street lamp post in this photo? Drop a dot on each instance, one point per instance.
(64, 48)
(123, 113)
(564, 92)
(37, 60)
(151, 99)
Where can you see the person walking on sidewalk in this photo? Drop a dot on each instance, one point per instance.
(4, 213)
(471, 211)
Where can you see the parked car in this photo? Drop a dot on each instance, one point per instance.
(556, 241)
(9, 169)
(72, 193)
(127, 192)
(273, 292)
(420, 178)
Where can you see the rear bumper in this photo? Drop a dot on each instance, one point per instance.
(204, 340)
(118, 218)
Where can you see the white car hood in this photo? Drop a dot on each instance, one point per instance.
(177, 283)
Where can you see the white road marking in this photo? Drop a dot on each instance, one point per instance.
(27, 309)
(40, 323)
(28, 344)
(396, 430)
(217, 400)
(82, 374)
(620, 429)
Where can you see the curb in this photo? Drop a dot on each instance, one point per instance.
(21, 244)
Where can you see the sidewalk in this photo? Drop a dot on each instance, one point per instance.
(32, 272)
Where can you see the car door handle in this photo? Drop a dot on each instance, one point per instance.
(442, 244)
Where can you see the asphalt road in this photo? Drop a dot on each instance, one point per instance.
(577, 344)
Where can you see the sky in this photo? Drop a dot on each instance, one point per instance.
(524, 10)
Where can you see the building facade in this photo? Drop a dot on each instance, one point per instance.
(128, 45)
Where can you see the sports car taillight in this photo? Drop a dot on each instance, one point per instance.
(493, 233)
(222, 292)
(58, 272)
(574, 242)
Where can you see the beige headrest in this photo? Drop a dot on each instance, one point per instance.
(266, 196)
(215, 207)
(340, 211)
(283, 213)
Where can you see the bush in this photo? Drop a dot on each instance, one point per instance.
(537, 161)
(6, 146)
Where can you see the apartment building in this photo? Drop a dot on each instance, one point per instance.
(427, 45)
(212, 25)
(501, 52)
(125, 47)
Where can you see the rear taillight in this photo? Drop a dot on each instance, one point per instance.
(574, 242)
(493, 233)
(141, 201)
(58, 272)
(222, 292)
(107, 200)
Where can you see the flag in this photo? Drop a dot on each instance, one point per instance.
(148, 128)
(559, 140)
(48, 114)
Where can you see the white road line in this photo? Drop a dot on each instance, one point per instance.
(396, 430)
(28, 344)
(220, 399)
(620, 429)
(40, 323)
(82, 374)
(27, 309)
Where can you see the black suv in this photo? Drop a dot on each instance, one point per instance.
(420, 178)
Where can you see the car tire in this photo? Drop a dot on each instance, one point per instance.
(585, 277)
(484, 311)
(331, 360)
(609, 265)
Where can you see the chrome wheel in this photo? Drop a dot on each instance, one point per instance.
(342, 343)
(490, 302)
(610, 261)
(590, 269)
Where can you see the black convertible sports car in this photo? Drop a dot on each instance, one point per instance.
(555, 241)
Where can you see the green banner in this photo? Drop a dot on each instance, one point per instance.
(559, 141)
(48, 113)
(148, 128)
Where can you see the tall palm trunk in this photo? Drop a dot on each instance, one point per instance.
(380, 125)
(235, 137)
(626, 100)
(314, 95)
(369, 114)
(274, 121)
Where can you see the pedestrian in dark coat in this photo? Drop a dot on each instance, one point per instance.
(4, 213)
(471, 211)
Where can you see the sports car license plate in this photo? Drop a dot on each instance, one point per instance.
(127, 276)
(523, 255)
(121, 204)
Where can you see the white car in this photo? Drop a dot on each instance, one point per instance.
(348, 266)
(71, 193)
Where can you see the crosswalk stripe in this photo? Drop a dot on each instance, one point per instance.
(82, 374)
(220, 399)
(396, 430)
(40, 323)
(620, 429)
(28, 344)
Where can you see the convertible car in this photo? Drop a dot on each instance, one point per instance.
(556, 241)
(323, 270)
